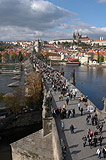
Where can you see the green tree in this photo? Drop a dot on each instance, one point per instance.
(20, 56)
(2, 48)
(6, 56)
(13, 56)
(39, 55)
(1, 96)
(46, 58)
(102, 58)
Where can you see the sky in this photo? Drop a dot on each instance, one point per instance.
(51, 19)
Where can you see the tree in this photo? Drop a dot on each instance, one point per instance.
(2, 48)
(33, 90)
(39, 55)
(0, 57)
(6, 56)
(102, 58)
(46, 58)
(13, 56)
(1, 96)
(15, 101)
(20, 56)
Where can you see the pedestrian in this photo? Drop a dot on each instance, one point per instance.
(72, 128)
(73, 112)
(87, 120)
(64, 106)
(79, 105)
(81, 111)
(88, 131)
(92, 119)
(95, 141)
(91, 134)
(62, 126)
(90, 142)
(104, 152)
(100, 128)
(64, 149)
(98, 152)
(100, 139)
(69, 113)
(67, 100)
(89, 116)
(84, 139)
(74, 93)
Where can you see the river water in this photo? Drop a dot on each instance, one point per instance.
(91, 81)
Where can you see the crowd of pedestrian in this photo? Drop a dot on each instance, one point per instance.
(59, 84)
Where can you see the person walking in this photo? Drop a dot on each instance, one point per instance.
(84, 139)
(95, 141)
(100, 139)
(69, 113)
(72, 128)
(104, 152)
(81, 111)
(73, 112)
(90, 142)
(67, 100)
(98, 152)
(79, 105)
(62, 126)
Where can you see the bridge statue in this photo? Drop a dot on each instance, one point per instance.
(46, 113)
(104, 99)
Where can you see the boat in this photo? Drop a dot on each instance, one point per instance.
(16, 77)
(73, 63)
(14, 84)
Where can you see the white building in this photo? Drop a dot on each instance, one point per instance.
(99, 42)
(61, 41)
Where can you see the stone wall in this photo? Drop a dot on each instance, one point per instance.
(57, 151)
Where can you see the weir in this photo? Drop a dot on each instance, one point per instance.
(46, 144)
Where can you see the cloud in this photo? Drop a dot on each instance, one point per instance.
(65, 26)
(92, 31)
(20, 33)
(101, 1)
(33, 19)
(35, 14)
(24, 33)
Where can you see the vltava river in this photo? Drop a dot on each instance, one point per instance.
(90, 80)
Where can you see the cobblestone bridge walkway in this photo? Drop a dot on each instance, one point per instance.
(75, 149)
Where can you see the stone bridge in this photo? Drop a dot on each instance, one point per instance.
(46, 144)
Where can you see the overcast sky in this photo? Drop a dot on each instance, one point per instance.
(52, 19)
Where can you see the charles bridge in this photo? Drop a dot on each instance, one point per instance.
(46, 144)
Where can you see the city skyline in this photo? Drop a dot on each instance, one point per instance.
(52, 19)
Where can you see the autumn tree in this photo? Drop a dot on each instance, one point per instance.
(15, 101)
(6, 56)
(13, 56)
(34, 90)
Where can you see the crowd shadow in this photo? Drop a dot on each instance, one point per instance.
(78, 131)
(76, 152)
(74, 146)
(94, 155)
